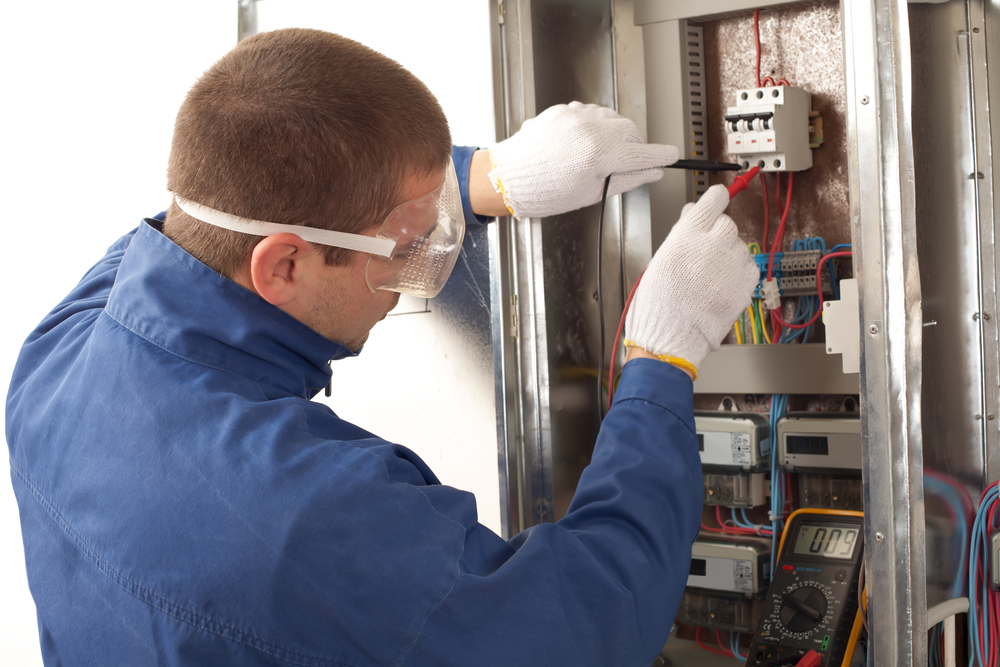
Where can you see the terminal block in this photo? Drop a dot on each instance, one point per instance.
(770, 128)
(831, 493)
(736, 489)
(719, 612)
(795, 273)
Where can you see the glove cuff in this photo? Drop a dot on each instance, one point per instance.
(494, 177)
(680, 341)
(683, 364)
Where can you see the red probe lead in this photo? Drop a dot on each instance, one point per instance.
(740, 183)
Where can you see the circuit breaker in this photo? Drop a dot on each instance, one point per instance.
(769, 128)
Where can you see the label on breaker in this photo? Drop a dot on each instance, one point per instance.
(725, 449)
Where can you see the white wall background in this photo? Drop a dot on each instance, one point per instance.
(89, 97)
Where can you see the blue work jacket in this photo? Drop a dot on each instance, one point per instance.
(184, 502)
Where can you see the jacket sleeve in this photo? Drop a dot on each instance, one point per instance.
(462, 157)
(602, 585)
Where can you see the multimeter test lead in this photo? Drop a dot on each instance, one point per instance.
(705, 165)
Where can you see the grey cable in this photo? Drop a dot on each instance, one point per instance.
(940, 612)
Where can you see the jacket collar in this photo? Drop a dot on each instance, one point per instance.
(175, 302)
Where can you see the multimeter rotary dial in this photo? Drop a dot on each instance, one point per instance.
(803, 608)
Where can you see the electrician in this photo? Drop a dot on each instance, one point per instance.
(182, 500)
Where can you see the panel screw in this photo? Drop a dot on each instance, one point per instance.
(864, 99)
(879, 537)
(980, 175)
(989, 417)
(975, 30)
(975, 316)
(873, 329)
(986, 316)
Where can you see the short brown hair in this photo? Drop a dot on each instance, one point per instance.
(300, 127)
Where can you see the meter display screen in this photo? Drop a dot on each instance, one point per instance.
(825, 541)
(807, 444)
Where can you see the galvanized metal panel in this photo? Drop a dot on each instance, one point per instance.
(986, 98)
(774, 369)
(877, 55)
(947, 245)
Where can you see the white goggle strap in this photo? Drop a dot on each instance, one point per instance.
(371, 245)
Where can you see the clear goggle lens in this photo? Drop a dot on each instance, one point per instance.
(428, 235)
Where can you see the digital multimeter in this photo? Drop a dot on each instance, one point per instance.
(812, 602)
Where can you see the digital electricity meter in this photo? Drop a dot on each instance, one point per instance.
(819, 442)
(812, 603)
(733, 440)
(740, 565)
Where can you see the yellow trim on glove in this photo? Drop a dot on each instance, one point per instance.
(683, 364)
(497, 185)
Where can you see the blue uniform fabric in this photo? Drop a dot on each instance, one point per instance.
(184, 502)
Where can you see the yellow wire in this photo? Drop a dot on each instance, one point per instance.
(763, 324)
(753, 325)
(736, 328)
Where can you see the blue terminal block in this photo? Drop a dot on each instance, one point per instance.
(795, 272)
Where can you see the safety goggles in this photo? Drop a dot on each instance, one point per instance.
(413, 252)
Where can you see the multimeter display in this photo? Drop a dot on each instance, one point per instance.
(812, 603)
(826, 541)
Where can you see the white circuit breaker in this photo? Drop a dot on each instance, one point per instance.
(769, 128)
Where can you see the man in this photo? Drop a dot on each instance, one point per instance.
(183, 502)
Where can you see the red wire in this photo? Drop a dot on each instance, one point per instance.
(819, 288)
(756, 33)
(767, 212)
(767, 81)
(697, 638)
(780, 233)
(718, 640)
(618, 337)
(783, 82)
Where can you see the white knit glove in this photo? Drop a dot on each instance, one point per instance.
(558, 160)
(698, 283)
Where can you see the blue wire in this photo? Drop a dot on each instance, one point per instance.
(979, 549)
(952, 497)
(734, 646)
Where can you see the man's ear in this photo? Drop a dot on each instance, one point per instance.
(276, 267)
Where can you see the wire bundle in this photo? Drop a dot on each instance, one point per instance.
(960, 511)
(984, 603)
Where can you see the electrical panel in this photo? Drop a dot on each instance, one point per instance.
(769, 128)
(739, 565)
